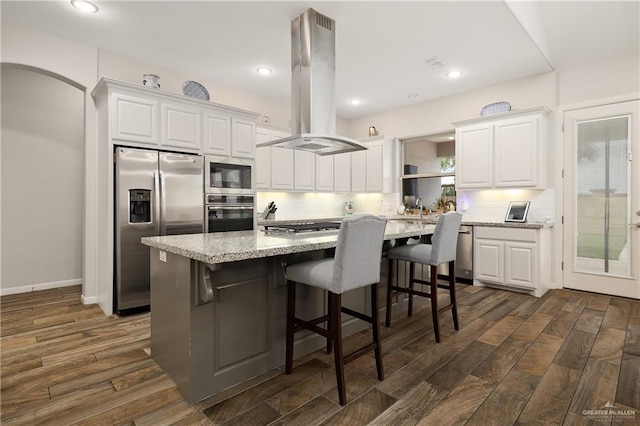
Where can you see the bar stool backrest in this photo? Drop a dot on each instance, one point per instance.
(445, 238)
(358, 252)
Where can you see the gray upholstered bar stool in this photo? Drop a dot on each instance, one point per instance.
(441, 250)
(356, 264)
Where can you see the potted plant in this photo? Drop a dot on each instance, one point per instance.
(441, 205)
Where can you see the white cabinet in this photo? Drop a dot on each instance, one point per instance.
(324, 172)
(243, 138)
(181, 127)
(274, 166)
(375, 170)
(513, 258)
(342, 172)
(304, 178)
(134, 118)
(505, 151)
(217, 134)
(359, 171)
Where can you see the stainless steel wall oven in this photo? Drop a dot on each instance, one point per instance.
(229, 212)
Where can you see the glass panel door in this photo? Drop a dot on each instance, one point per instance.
(601, 232)
(602, 197)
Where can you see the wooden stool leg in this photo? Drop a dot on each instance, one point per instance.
(375, 326)
(434, 301)
(336, 333)
(389, 303)
(291, 313)
(329, 341)
(452, 294)
(412, 270)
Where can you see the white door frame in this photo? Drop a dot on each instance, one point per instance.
(558, 171)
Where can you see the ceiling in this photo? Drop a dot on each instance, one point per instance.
(383, 48)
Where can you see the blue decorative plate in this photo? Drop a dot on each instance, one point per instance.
(495, 108)
(195, 90)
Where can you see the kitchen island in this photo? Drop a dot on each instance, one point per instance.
(218, 302)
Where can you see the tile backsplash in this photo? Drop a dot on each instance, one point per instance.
(316, 205)
(492, 205)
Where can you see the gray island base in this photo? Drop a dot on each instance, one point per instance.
(218, 303)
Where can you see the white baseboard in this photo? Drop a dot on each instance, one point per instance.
(41, 286)
(89, 300)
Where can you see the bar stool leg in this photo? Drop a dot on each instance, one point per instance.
(336, 334)
(291, 313)
(412, 271)
(329, 341)
(389, 290)
(452, 294)
(434, 301)
(375, 325)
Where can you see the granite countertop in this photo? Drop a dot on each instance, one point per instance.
(223, 247)
(425, 219)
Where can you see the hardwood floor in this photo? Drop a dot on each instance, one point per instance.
(516, 360)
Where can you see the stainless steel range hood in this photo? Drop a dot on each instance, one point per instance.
(313, 106)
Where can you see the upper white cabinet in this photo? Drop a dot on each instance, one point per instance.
(377, 166)
(217, 134)
(324, 173)
(135, 118)
(502, 151)
(140, 116)
(274, 166)
(243, 138)
(342, 172)
(304, 178)
(181, 127)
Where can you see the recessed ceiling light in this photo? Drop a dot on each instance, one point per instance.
(264, 70)
(450, 138)
(355, 101)
(454, 74)
(84, 6)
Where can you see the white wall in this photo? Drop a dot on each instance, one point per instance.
(131, 70)
(436, 116)
(42, 181)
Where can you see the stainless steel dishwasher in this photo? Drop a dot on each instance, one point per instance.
(464, 256)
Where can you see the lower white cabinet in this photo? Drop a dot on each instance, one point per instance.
(513, 258)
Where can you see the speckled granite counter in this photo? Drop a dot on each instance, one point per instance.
(243, 245)
(425, 219)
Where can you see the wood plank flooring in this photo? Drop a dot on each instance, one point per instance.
(515, 360)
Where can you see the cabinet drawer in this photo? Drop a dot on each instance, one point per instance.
(509, 234)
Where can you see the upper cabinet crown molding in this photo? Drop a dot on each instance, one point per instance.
(503, 150)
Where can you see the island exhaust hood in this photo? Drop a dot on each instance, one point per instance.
(313, 108)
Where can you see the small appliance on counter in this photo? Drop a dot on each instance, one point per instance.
(349, 208)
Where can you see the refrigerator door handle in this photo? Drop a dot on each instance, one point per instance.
(156, 198)
(163, 205)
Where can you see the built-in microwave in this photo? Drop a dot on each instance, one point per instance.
(228, 176)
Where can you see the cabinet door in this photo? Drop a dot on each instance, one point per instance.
(358, 171)
(520, 260)
(263, 160)
(217, 134)
(243, 138)
(516, 147)
(281, 168)
(135, 119)
(342, 172)
(324, 173)
(181, 127)
(474, 156)
(374, 162)
(489, 260)
(305, 170)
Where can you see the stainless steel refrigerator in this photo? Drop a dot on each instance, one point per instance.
(156, 193)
